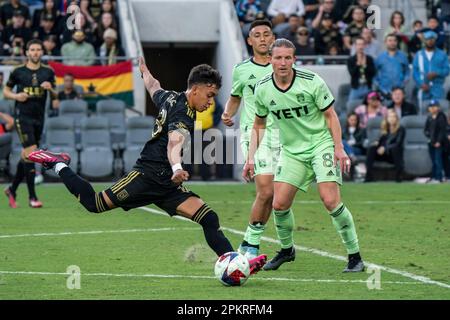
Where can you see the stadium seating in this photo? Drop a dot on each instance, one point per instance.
(416, 158)
(342, 97)
(96, 156)
(139, 131)
(114, 110)
(16, 150)
(76, 109)
(60, 137)
(352, 105)
(6, 107)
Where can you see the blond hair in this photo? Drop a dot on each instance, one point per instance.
(385, 124)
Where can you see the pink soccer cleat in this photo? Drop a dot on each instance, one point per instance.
(35, 203)
(11, 198)
(48, 159)
(257, 263)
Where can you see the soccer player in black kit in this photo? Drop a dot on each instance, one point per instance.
(158, 175)
(32, 80)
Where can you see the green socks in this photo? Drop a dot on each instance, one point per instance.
(343, 222)
(284, 224)
(253, 233)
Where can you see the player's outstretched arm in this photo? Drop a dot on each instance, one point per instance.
(259, 128)
(336, 132)
(231, 108)
(9, 94)
(174, 148)
(151, 83)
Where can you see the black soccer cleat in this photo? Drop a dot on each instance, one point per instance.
(48, 159)
(355, 264)
(281, 257)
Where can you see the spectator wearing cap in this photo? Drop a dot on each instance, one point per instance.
(247, 10)
(433, 25)
(373, 47)
(392, 67)
(436, 132)
(371, 108)
(289, 30)
(17, 28)
(47, 28)
(48, 9)
(400, 105)
(8, 9)
(303, 46)
(362, 71)
(326, 34)
(355, 27)
(430, 68)
(280, 10)
(109, 50)
(327, 7)
(78, 52)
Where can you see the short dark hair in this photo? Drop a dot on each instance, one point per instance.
(69, 75)
(281, 43)
(34, 41)
(397, 88)
(204, 74)
(260, 22)
(391, 35)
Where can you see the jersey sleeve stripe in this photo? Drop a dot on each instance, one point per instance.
(327, 107)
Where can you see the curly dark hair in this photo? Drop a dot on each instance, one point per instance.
(204, 74)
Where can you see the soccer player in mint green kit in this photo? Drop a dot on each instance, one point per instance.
(301, 105)
(245, 77)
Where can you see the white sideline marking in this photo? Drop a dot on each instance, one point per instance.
(91, 232)
(130, 275)
(323, 253)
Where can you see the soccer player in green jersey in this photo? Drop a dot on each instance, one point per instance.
(301, 105)
(245, 77)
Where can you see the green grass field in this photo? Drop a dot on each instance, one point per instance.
(145, 255)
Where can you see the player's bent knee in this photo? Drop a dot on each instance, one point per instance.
(265, 196)
(330, 203)
(279, 206)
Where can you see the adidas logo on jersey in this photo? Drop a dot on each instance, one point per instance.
(273, 103)
(330, 174)
(252, 77)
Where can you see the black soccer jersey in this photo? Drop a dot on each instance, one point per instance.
(29, 81)
(174, 113)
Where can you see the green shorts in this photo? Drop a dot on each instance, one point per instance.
(301, 173)
(266, 157)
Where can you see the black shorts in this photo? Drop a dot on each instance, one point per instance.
(137, 189)
(29, 131)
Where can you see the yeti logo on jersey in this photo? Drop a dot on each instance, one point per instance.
(252, 87)
(290, 113)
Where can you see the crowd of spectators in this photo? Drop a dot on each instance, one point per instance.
(96, 34)
(334, 25)
(392, 77)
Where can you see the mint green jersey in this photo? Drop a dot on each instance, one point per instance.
(297, 111)
(245, 76)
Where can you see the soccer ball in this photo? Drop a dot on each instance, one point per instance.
(232, 269)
